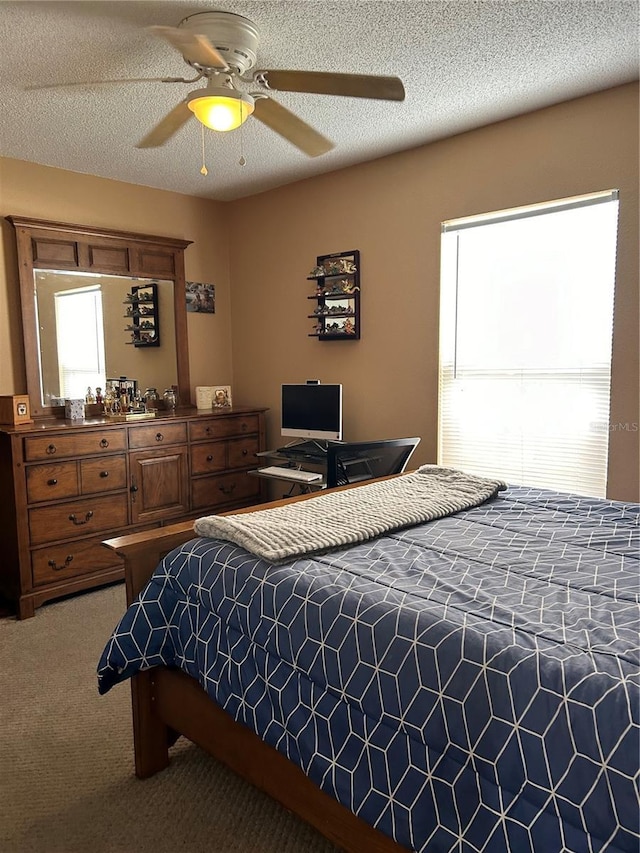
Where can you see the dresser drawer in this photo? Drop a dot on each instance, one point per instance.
(157, 435)
(210, 457)
(223, 427)
(52, 482)
(212, 492)
(75, 443)
(241, 452)
(77, 518)
(60, 562)
(103, 475)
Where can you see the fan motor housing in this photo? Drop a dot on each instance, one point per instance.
(235, 37)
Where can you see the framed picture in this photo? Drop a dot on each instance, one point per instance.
(222, 397)
(201, 298)
(204, 396)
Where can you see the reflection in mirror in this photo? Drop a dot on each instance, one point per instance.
(83, 339)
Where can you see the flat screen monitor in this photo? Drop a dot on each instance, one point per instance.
(312, 411)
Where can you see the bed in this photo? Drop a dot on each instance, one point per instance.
(464, 678)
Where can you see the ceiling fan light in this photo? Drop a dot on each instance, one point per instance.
(222, 112)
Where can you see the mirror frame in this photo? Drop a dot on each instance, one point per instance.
(42, 244)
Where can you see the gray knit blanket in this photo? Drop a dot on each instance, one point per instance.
(336, 519)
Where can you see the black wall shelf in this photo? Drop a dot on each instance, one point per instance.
(337, 297)
(142, 314)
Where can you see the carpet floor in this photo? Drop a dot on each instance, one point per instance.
(66, 757)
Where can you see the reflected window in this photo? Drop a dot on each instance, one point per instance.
(81, 360)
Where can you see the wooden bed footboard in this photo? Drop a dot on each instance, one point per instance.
(167, 703)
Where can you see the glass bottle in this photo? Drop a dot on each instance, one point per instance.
(169, 398)
(151, 399)
(138, 402)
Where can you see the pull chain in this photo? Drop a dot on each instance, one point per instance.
(242, 160)
(204, 171)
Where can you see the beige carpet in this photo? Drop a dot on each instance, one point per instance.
(66, 757)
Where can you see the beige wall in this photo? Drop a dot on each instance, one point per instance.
(391, 210)
(44, 193)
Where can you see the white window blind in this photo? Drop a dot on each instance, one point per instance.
(526, 318)
(80, 336)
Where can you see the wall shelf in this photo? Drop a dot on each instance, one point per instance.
(142, 313)
(337, 313)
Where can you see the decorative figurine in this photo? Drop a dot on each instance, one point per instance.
(346, 266)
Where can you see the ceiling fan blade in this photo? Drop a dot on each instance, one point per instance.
(292, 128)
(328, 83)
(111, 82)
(194, 47)
(169, 125)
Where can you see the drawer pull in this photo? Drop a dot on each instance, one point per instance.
(56, 567)
(159, 436)
(209, 458)
(104, 443)
(208, 430)
(227, 490)
(51, 449)
(244, 427)
(87, 517)
(52, 482)
(245, 451)
(104, 474)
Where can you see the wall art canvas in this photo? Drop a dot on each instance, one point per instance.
(201, 298)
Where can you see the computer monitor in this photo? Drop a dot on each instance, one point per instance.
(312, 411)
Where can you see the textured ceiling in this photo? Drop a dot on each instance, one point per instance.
(463, 64)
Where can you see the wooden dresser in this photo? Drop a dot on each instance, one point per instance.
(68, 486)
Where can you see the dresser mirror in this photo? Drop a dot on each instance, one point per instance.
(73, 271)
(85, 328)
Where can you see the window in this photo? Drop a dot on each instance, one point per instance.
(526, 318)
(79, 331)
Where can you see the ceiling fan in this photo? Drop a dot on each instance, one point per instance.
(222, 48)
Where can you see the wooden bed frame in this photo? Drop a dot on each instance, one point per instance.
(168, 703)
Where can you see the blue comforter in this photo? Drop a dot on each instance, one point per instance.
(470, 684)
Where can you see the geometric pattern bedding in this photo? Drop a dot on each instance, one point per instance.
(469, 684)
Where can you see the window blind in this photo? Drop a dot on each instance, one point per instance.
(525, 343)
(80, 340)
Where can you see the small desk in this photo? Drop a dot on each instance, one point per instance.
(343, 463)
(306, 463)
